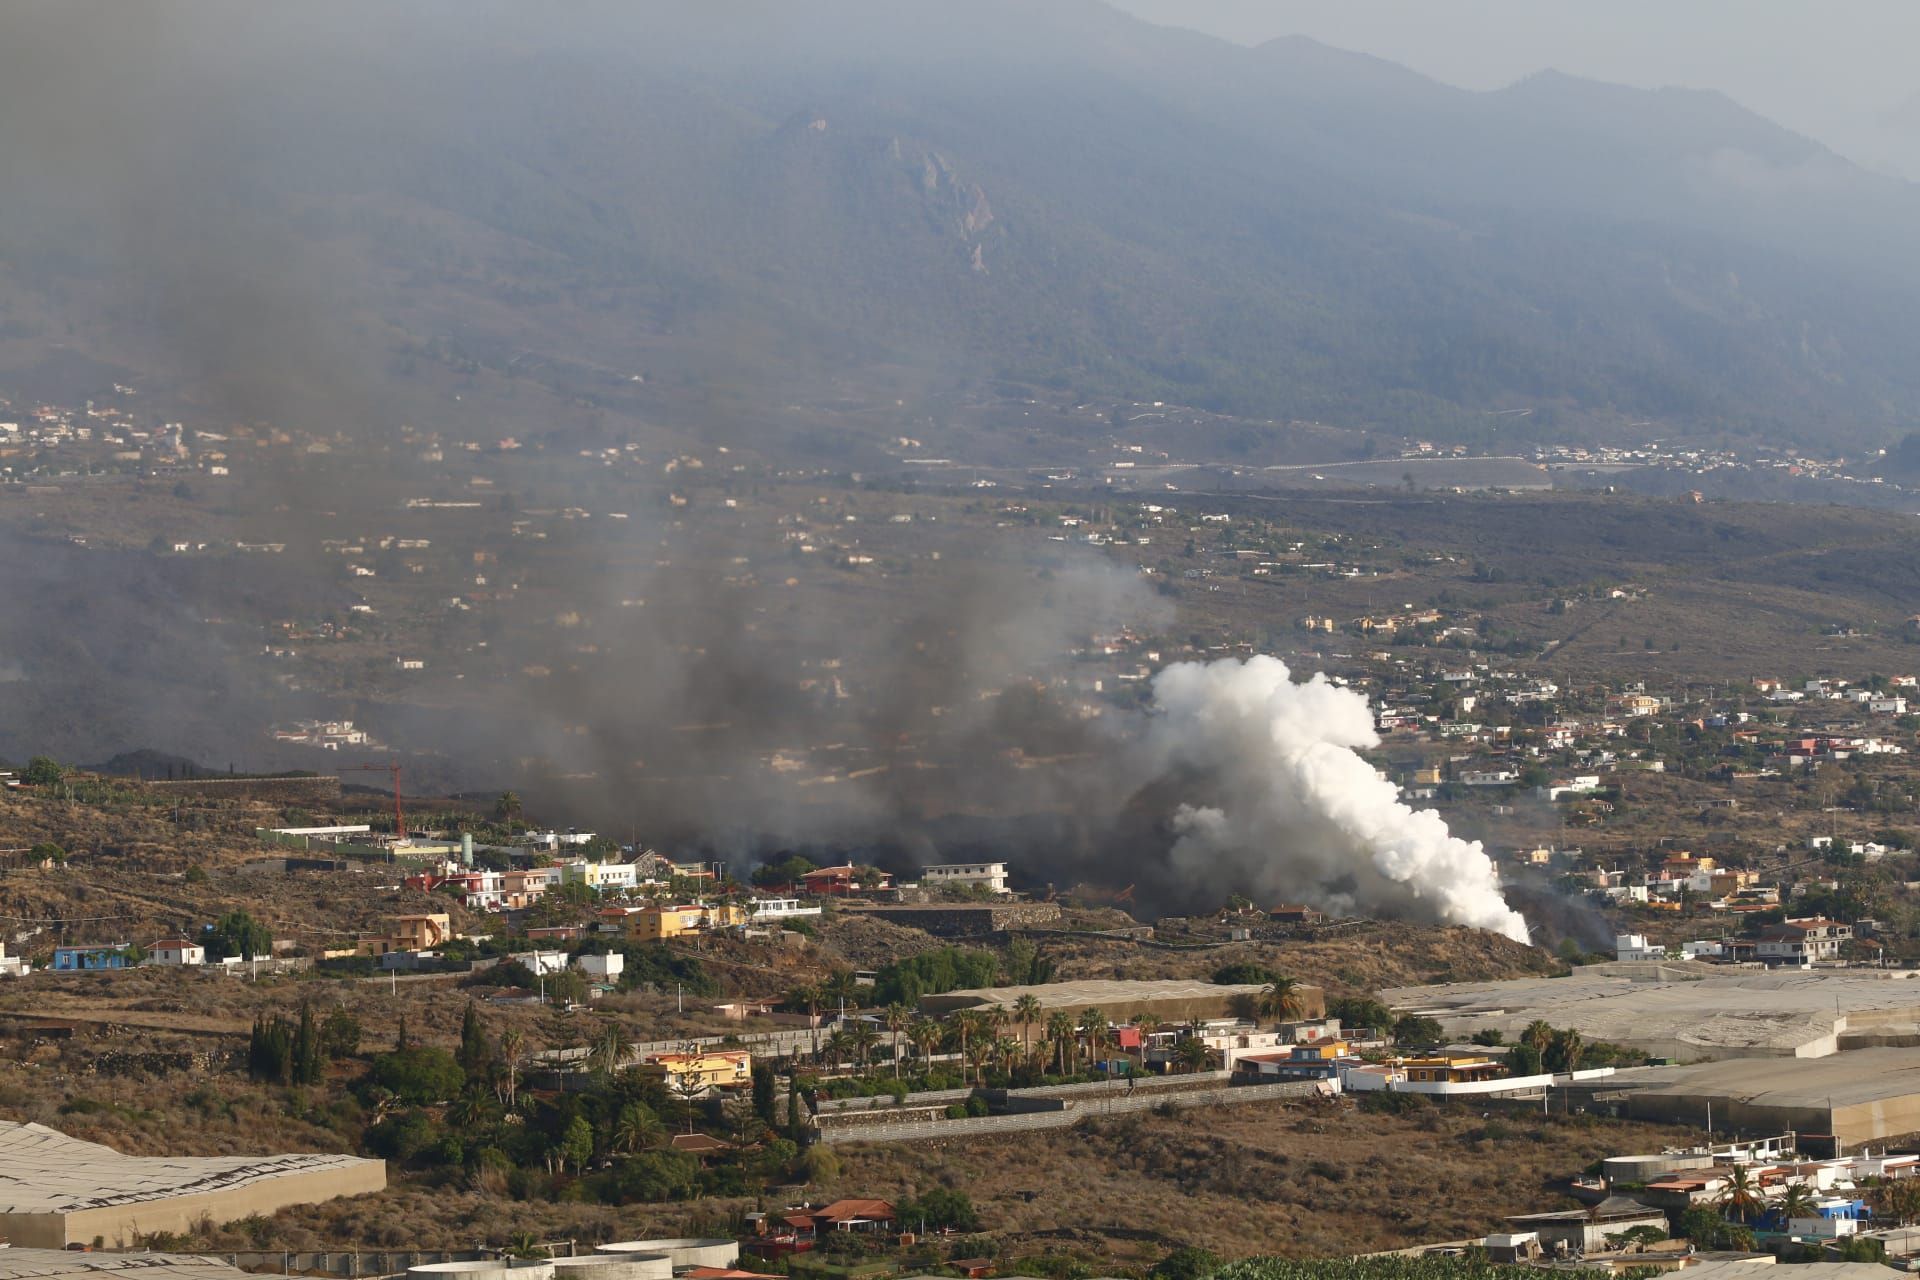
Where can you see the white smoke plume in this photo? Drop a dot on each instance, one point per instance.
(1298, 814)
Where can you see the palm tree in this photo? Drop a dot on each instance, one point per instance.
(1027, 1011)
(807, 997)
(838, 1045)
(1538, 1035)
(1060, 1031)
(610, 1049)
(925, 1034)
(1741, 1197)
(1564, 1050)
(636, 1128)
(1093, 1025)
(840, 987)
(1006, 1052)
(468, 1111)
(977, 1054)
(507, 807)
(510, 1043)
(1281, 1000)
(971, 1029)
(897, 1020)
(862, 1038)
(1193, 1054)
(1797, 1202)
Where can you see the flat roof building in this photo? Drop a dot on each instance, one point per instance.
(62, 1264)
(56, 1190)
(1178, 999)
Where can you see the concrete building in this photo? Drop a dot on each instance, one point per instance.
(1586, 1230)
(64, 1264)
(1860, 1097)
(56, 1190)
(176, 951)
(658, 923)
(991, 876)
(1796, 942)
(760, 909)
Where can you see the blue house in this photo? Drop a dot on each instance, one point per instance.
(74, 959)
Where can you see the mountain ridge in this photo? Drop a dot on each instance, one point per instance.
(1071, 200)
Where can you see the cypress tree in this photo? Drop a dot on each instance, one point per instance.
(475, 1053)
(306, 1048)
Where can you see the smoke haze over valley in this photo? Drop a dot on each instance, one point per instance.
(889, 428)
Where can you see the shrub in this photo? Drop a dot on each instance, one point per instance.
(819, 1164)
(1186, 1263)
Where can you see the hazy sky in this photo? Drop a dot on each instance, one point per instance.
(1832, 69)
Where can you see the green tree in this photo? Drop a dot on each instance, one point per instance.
(475, 1055)
(340, 1034)
(763, 1093)
(43, 771)
(238, 934)
(418, 1074)
(573, 1146)
(940, 1209)
(306, 1066)
(1564, 1052)
(1415, 1029)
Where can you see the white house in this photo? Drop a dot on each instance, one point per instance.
(176, 951)
(780, 908)
(599, 875)
(541, 962)
(1580, 785)
(990, 875)
(607, 968)
(1634, 946)
(1888, 706)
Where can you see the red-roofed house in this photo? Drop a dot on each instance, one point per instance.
(838, 882)
(177, 951)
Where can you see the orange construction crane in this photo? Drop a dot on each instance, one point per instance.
(391, 767)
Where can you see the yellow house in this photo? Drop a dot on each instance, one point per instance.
(693, 1073)
(411, 933)
(1320, 1051)
(1453, 1069)
(659, 923)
